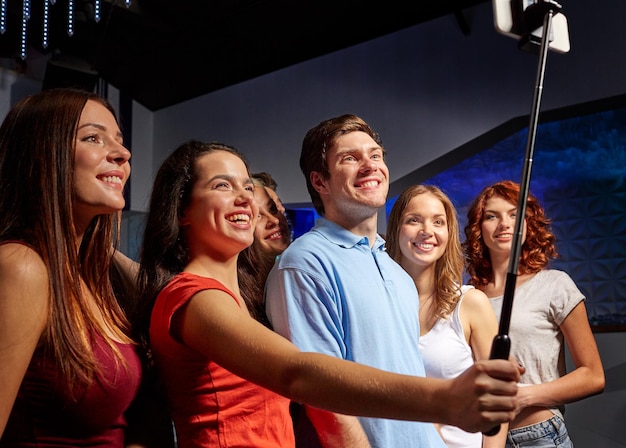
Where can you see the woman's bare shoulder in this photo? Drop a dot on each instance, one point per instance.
(17, 257)
(475, 298)
(24, 303)
(22, 270)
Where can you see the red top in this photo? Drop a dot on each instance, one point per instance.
(210, 405)
(45, 414)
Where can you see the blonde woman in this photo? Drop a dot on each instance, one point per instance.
(457, 324)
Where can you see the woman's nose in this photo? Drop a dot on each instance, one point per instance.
(120, 154)
(272, 221)
(425, 230)
(245, 196)
(507, 222)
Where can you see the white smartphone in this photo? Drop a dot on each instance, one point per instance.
(508, 19)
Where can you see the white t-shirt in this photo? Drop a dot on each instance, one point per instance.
(540, 305)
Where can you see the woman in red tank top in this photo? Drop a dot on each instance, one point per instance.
(224, 372)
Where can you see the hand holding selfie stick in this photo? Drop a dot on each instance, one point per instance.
(501, 345)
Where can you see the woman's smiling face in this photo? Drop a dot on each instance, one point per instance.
(222, 212)
(101, 166)
(272, 230)
(498, 224)
(423, 235)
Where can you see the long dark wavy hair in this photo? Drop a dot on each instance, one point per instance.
(253, 267)
(537, 250)
(37, 147)
(164, 250)
(448, 268)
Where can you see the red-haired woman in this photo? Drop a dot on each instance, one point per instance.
(548, 310)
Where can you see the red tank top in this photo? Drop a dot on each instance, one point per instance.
(211, 406)
(45, 415)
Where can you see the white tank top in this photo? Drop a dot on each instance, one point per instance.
(446, 355)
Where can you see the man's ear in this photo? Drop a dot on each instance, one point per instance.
(318, 182)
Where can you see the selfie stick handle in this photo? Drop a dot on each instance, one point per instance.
(501, 345)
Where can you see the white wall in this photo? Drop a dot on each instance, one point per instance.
(598, 421)
(142, 158)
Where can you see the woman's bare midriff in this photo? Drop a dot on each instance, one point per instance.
(530, 416)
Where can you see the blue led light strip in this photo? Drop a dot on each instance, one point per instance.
(26, 8)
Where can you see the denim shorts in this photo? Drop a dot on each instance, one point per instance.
(549, 433)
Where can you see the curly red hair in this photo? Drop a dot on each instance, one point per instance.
(537, 250)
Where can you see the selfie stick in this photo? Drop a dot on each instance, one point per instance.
(501, 345)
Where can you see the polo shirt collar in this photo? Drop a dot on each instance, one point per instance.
(342, 237)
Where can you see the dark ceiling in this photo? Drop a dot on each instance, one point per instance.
(162, 52)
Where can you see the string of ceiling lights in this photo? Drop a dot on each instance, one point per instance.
(26, 13)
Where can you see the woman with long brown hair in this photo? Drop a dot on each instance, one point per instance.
(68, 367)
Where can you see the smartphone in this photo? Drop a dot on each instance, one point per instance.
(509, 20)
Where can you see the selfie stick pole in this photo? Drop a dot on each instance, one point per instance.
(501, 345)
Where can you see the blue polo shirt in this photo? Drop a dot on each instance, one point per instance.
(329, 292)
